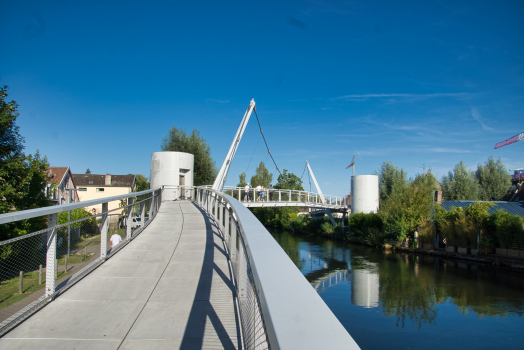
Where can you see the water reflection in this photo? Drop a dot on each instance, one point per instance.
(405, 287)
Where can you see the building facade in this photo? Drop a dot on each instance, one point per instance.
(100, 186)
(60, 181)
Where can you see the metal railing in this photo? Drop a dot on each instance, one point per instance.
(38, 266)
(278, 307)
(268, 195)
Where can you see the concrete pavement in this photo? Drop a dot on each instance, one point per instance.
(170, 288)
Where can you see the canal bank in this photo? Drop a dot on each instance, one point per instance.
(403, 300)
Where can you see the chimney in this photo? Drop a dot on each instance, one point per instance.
(108, 179)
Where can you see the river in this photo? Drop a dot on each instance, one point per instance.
(389, 300)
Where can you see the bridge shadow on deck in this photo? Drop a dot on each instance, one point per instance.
(195, 333)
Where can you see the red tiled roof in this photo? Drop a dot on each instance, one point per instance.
(100, 180)
(55, 174)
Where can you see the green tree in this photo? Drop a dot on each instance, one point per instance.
(262, 176)
(177, 140)
(22, 178)
(88, 171)
(493, 180)
(242, 180)
(289, 181)
(460, 184)
(392, 181)
(141, 183)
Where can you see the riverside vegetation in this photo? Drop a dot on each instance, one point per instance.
(408, 206)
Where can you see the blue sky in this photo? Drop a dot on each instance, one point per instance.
(421, 84)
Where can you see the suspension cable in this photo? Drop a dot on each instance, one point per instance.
(303, 172)
(261, 133)
(248, 164)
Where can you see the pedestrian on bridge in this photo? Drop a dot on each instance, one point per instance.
(246, 193)
(114, 240)
(259, 192)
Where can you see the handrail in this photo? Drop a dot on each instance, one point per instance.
(294, 315)
(32, 213)
(39, 251)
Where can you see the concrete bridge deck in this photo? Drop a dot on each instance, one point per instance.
(170, 288)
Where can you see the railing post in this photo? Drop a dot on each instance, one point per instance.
(280, 195)
(217, 214)
(104, 225)
(226, 224)
(50, 256)
(216, 205)
(290, 196)
(129, 217)
(308, 197)
(151, 203)
(142, 210)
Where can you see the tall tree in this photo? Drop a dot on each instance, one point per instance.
(493, 180)
(406, 208)
(141, 183)
(289, 181)
(262, 176)
(22, 178)
(460, 184)
(242, 180)
(88, 171)
(392, 181)
(177, 140)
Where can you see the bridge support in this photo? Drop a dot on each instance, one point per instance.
(330, 216)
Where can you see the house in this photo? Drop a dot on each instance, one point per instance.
(60, 180)
(514, 208)
(432, 181)
(99, 186)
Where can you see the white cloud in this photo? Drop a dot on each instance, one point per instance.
(359, 97)
(476, 115)
(448, 150)
(216, 100)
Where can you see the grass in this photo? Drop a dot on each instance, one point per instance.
(9, 288)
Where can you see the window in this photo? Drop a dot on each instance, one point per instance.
(100, 189)
(82, 188)
(90, 182)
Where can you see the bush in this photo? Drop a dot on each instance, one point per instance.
(299, 223)
(375, 237)
(327, 228)
(425, 232)
(361, 223)
(508, 228)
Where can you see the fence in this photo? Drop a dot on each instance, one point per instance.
(37, 266)
(282, 195)
(278, 307)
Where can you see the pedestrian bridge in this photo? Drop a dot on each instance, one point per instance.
(200, 273)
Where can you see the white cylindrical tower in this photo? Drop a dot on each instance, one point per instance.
(365, 288)
(171, 169)
(364, 194)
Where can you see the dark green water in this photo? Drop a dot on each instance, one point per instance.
(400, 301)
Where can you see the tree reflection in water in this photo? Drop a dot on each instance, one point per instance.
(410, 287)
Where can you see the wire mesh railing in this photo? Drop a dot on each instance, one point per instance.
(254, 335)
(37, 266)
(274, 195)
(271, 292)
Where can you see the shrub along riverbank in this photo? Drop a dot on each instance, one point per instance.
(460, 227)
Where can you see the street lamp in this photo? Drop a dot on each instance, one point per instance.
(69, 221)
